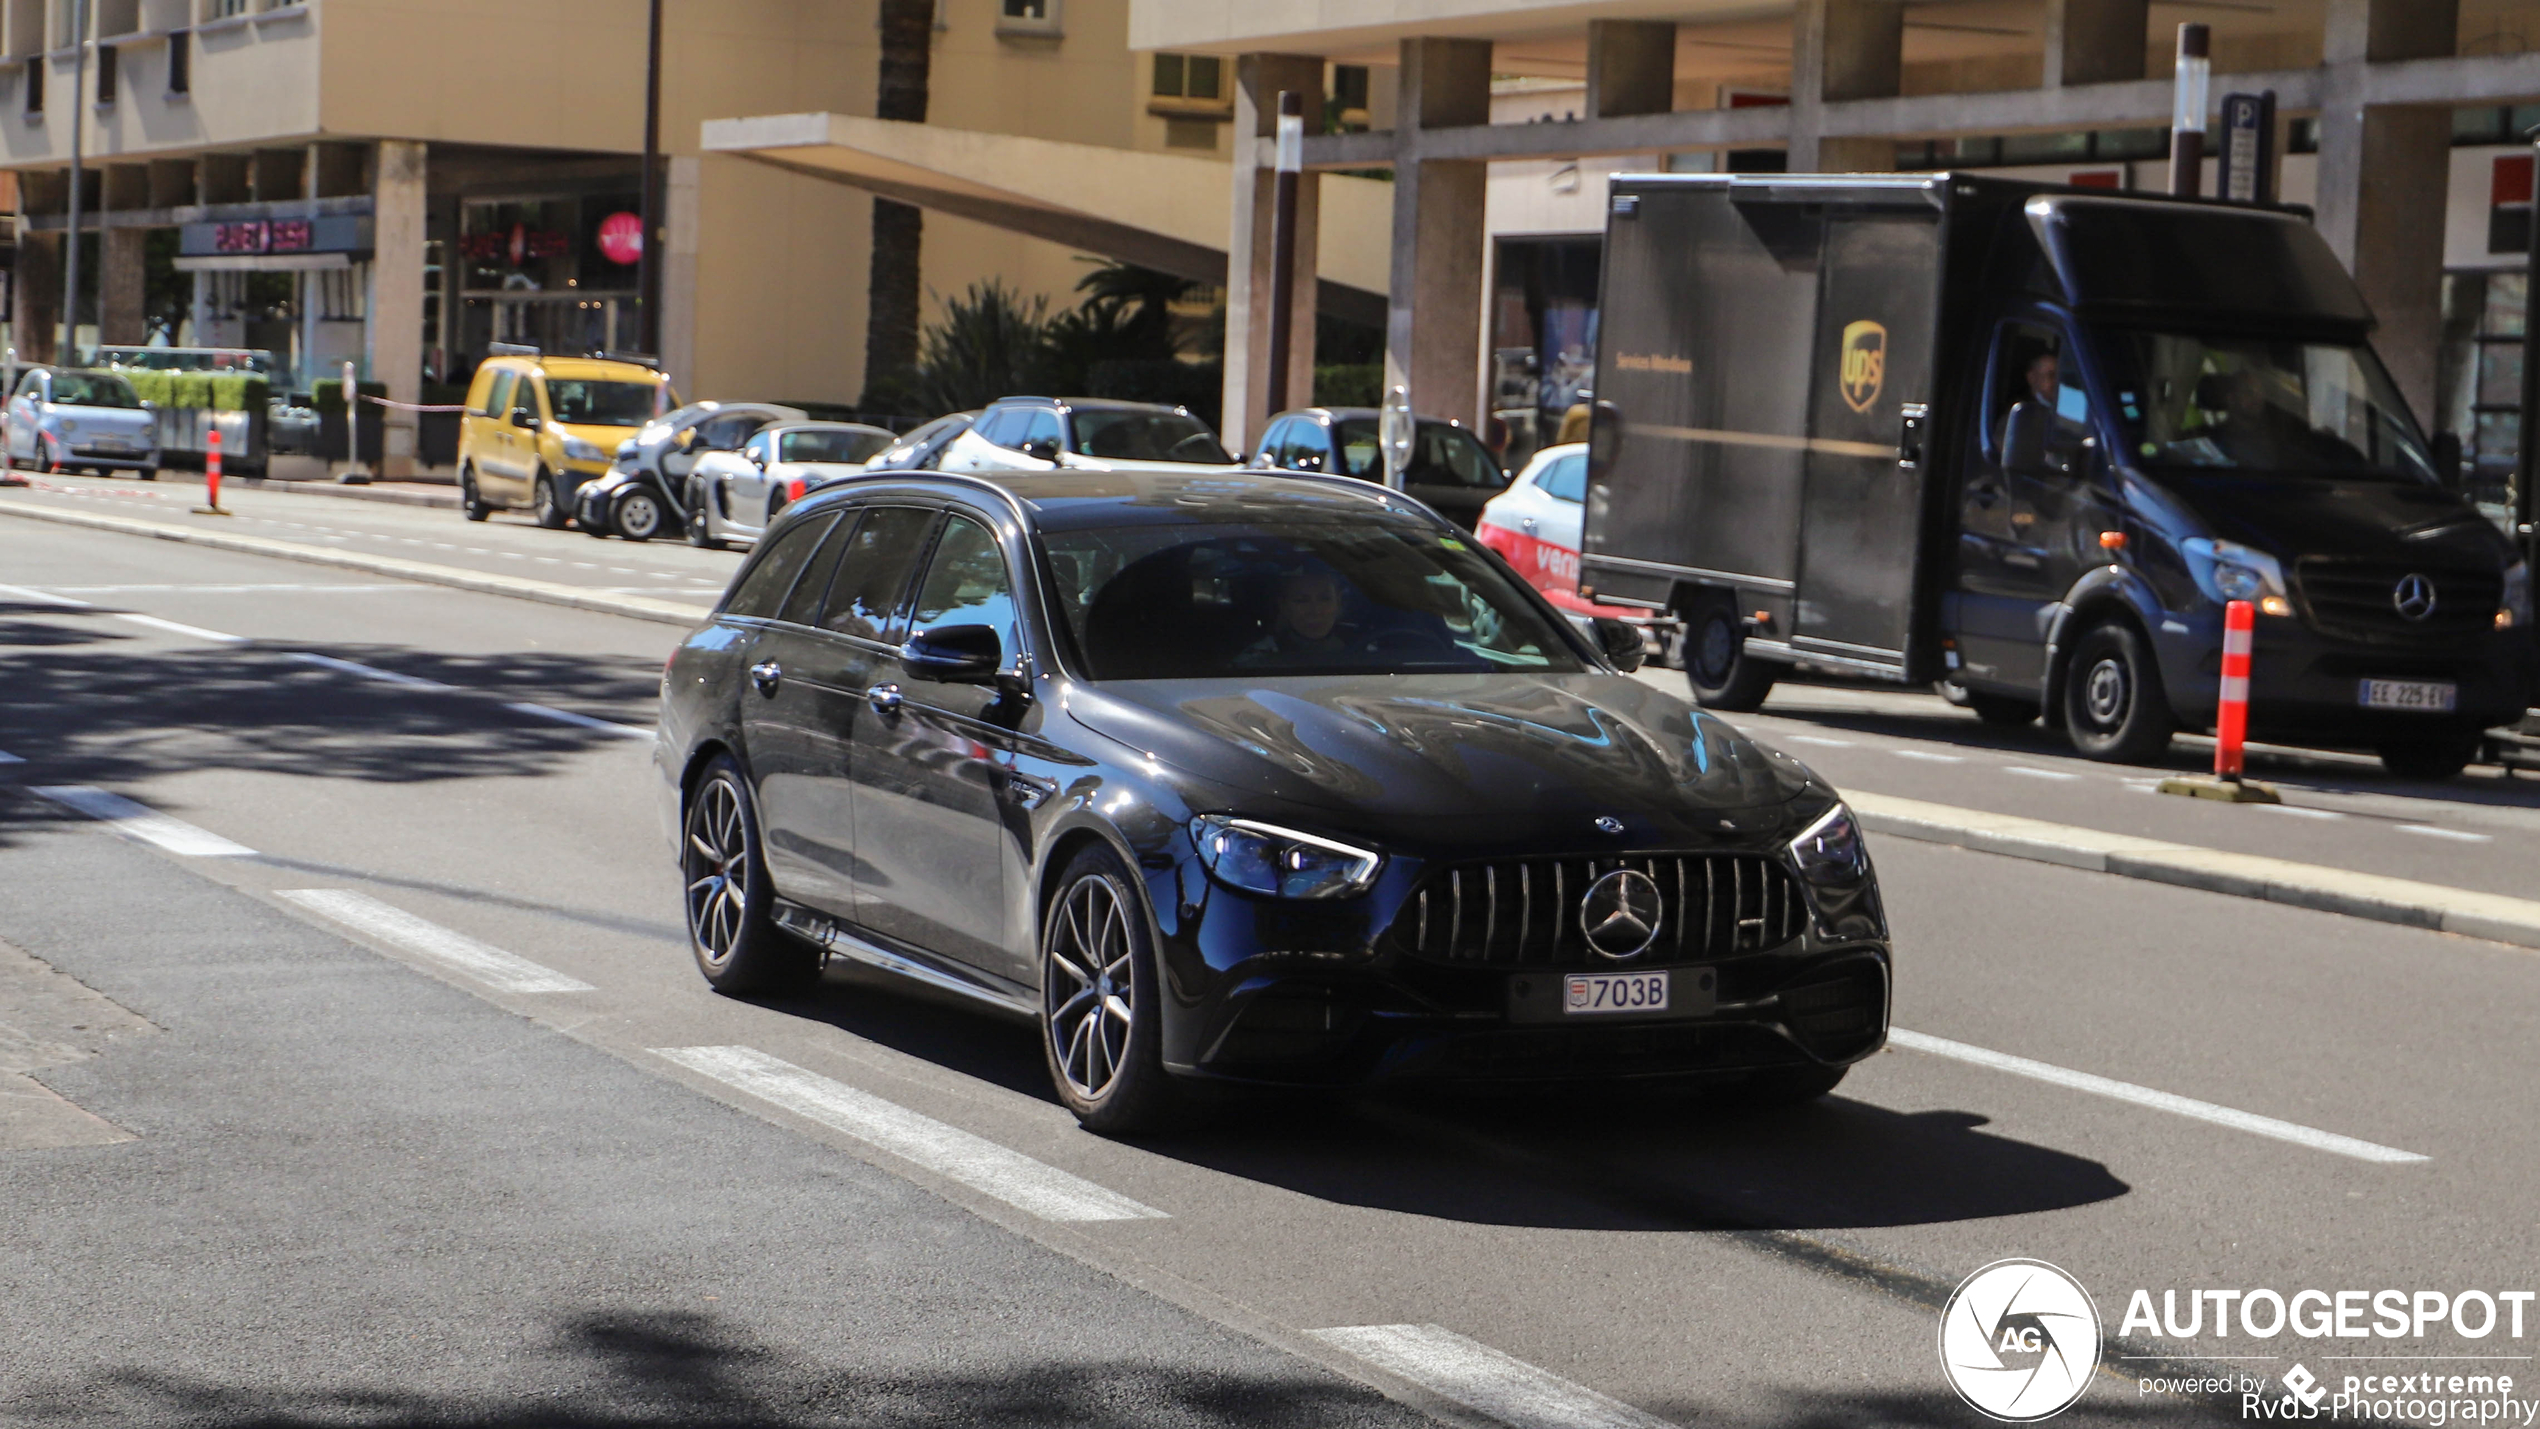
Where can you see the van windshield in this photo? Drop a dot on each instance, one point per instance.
(602, 404)
(2262, 404)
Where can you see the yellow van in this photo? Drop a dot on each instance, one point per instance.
(537, 427)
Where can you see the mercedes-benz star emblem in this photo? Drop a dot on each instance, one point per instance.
(1608, 824)
(2414, 597)
(1621, 913)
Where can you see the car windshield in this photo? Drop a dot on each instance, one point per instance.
(602, 404)
(846, 445)
(2271, 405)
(93, 389)
(1147, 436)
(1369, 595)
(1441, 455)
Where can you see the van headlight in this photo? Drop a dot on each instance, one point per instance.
(2515, 609)
(2227, 571)
(576, 449)
(1281, 863)
(1831, 854)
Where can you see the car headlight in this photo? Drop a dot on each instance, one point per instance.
(1831, 854)
(576, 449)
(2515, 609)
(2227, 570)
(1281, 863)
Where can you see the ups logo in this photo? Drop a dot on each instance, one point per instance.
(1864, 364)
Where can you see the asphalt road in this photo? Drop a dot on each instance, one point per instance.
(361, 1173)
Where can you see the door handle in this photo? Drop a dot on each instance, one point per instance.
(1530, 525)
(765, 674)
(885, 699)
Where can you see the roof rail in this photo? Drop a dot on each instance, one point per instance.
(640, 359)
(512, 349)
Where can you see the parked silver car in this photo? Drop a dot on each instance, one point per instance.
(732, 496)
(73, 419)
(640, 497)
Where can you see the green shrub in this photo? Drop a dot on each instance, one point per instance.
(150, 386)
(1349, 384)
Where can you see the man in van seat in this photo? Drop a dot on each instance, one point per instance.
(2061, 435)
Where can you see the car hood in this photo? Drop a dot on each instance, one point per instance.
(2291, 517)
(1453, 747)
(607, 439)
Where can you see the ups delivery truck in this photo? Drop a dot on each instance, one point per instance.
(2030, 439)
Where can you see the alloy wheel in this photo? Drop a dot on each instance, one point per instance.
(716, 861)
(1090, 992)
(2105, 691)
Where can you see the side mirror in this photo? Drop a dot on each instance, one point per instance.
(758, 458)
(525, 419)
(1621, 642)
(954, 654)
(2024, 435)
(1041, 449)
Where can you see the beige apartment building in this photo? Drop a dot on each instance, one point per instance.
(399, 182)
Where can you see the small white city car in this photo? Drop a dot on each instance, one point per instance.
(732, 495)
(67, 419)
(1084, 434)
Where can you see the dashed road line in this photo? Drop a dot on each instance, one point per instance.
(41, 597)
(948, 1151)
(140, 821)
(2299, 811)
(2205, 1111)
(1929, 756)
(503, 971)
(582, 721)
(2430, 831)
(373, 672)
(1483, 1379)
(2026, 771)
(173, 627)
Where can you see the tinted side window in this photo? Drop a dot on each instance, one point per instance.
(1004, 428)
(874, 570)
(498, 398)
(966, 583)
(1041, 426)
(763, 586)
(1565, 479)
(525, 395)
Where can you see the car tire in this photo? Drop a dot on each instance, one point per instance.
(471, 502)
(2115, 707)
(697, 533)
(1781, 1087)
(147, 473)
(637, 514)
(549, 511)
(736, 943)
(2434, 758)
(2009, 711)
(1105, 1054)
(1722, 674)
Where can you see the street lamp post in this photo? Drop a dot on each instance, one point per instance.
(648, 261)
(2191, 89)
(79, 139)
(1283, 237)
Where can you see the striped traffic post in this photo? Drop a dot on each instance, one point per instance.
(211, 474)
(2231, 721)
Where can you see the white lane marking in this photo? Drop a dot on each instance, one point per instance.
(140, 821)
(626, 731)
(1484, 1380)
(1817, 740)
(2026, 772)
(458, 952)
(1928, 756)
(175, 628)
(2430, 831)
(2299, 812)
(373, 672)
(2145, 1096)
(40, 597)
(948, 1151)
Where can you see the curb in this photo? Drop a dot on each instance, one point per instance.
(2403, 901)
(482, 582)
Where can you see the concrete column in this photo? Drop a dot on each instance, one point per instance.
(1258, 80)
(393, 338)
(1842, 49)
(679, 276)
(121, 286)
(2382, 170)
(37, 284)
(2095, 41)
(1631, 68)
(1433, 326)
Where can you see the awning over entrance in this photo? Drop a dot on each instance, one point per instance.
(1162, 211)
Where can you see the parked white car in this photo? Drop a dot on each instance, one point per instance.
(71, 419)
(732, 495)
(1081, 433)
(1535, 525)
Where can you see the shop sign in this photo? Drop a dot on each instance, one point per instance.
(262, 237)
(273, 235)
(622, 238)
(516, 246)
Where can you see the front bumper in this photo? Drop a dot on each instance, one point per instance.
(121, 460)
(2304, 686)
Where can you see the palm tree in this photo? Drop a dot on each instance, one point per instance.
(891, 291)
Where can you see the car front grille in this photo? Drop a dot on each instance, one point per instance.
(2355, 600)
(1525, 912)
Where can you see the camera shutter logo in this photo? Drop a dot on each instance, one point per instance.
(2413, 596)
(2019, 1340)
(1864, 364)
(1621, 913)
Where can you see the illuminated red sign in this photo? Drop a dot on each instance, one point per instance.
(278, 235)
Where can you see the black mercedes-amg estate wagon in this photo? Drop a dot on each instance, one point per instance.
(1251, 777)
